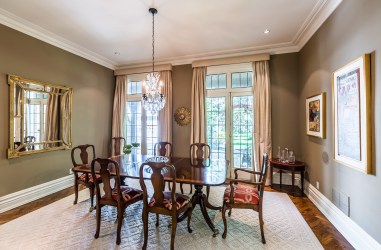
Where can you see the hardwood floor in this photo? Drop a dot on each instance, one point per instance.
(326, 233)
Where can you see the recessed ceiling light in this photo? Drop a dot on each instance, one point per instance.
(266, 31)
(117, 53)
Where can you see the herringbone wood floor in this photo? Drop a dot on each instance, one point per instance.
(326, 233)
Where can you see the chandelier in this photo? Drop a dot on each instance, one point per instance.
(152, 99)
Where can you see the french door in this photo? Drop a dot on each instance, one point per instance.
(230, 122)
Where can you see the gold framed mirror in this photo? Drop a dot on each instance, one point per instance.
(39, 117)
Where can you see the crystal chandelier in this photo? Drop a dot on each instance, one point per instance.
(152, 99)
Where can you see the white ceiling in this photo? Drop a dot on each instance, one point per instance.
(184, 30)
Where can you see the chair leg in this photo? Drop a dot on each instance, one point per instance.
(145, 227)
(75, 189)
(173, 234)
(261, 225)
(91, 187)
(224, 207)
(207, 192)
(98, 212)
(190, 210)
(181, 188)
(157, 220)
(169, 186)
(119, 227)
(230, 212)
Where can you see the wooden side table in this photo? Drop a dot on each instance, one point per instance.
(298, 166)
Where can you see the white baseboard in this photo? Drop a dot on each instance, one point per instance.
(354, 234)
(24, 196)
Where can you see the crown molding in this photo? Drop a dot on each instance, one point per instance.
(26, 27)
(280, 48)
(319, 14)
(321, 11)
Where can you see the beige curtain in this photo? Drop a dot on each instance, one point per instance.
(52, 124)
(262, 111)
(120, 98)
(165, 115)
(65, 113)
(198, 105)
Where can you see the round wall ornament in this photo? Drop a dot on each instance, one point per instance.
(183, 116)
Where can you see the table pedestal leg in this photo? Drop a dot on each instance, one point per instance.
(200, 198)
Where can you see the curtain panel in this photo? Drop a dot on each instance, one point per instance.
(262, 112)
(120, 98)
(165, 115)
(198, 105)
(52, 117)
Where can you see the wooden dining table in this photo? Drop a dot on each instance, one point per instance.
(198, 172)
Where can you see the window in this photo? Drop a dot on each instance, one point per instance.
(230, 114)
(139, 126)
(34, 114)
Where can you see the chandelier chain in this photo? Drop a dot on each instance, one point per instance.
(153, 42)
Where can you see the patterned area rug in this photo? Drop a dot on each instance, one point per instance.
(62, 225)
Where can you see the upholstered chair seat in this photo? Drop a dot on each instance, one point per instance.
(128, 193)
(181, 201)
(243, 194)
(85, 177)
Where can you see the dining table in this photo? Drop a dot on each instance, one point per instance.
(197, 172)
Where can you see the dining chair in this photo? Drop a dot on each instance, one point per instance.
(167, 203)
(198, 151)
(115, 194)
(85, 179)
(30, 139)
(163, 149)
(117, 145)
(246, 195)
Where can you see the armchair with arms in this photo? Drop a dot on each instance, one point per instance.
(246, 194)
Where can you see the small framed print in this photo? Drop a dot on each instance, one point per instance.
(315, 115)
(352, 117)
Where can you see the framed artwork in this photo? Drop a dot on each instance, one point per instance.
(352, 117)
(315, 115)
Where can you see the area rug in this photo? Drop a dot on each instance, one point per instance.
(62, 225)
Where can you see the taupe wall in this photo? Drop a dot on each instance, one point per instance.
(93, 94)
(284, 102)
(182, 86)
(352, 30)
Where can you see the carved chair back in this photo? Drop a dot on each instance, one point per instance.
(199, 150)
(83, 154)
(163, 149)
(157, 180)
(106, 165)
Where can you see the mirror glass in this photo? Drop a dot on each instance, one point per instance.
(40, 117)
